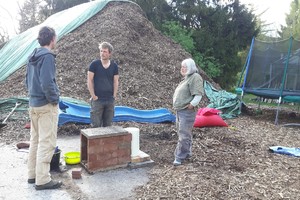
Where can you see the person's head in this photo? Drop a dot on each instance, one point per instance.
(47, 37)
(106, 50)
(188, 66)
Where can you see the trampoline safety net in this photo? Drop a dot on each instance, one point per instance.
(273, 69)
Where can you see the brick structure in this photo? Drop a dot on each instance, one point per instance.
(105, 148)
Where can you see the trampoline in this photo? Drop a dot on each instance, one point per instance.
(272, 71)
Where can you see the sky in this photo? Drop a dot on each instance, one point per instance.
(275, 12)
(9, 16)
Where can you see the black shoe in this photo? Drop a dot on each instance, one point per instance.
(51, 185)
(31, 180)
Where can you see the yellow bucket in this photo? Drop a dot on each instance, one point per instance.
(72, 158)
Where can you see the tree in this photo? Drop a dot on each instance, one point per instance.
(183, 36)
(157, 11)
(220, 31)
(180, 35)
(3, 37)
(34, 12)
(29, 14)
(292, 22)
(6, 18)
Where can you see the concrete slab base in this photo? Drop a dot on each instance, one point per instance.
(148, 163)
(114, 184)
(141, 160)
(141, 157)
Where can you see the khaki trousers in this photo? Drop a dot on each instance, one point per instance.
(43, 134)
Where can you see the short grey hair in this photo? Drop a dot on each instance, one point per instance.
(106, 45)
(190, 65)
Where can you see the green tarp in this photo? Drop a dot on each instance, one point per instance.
(226, 102)
(295, 99)
(7, 104)
(14, 54)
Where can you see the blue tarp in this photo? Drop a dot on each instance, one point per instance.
(72, 112)
(76, 111)
(291, 151)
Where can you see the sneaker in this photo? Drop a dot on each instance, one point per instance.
(51, 185)
(31, 180)
(177, 162)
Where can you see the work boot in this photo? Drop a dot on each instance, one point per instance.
(51, 185)
(31, 180)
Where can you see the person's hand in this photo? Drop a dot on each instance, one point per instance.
(190, 107)
(94, 97)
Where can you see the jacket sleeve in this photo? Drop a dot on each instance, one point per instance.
(48, 80)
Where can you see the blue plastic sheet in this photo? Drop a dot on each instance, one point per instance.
(291, 151)
(76, 111)
(72, 112)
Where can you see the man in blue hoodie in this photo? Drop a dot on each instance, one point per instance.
(43, 110)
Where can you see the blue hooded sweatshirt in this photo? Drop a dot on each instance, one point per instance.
(40, 78)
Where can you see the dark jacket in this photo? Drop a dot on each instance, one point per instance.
(40, 78)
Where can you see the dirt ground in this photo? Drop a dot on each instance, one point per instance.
(228, 162)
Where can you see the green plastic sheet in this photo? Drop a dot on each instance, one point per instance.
(228, 103)
(7, 104)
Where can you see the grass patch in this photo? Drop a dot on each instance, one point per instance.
(252, 99)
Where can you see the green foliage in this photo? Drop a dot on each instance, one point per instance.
(209, 64)
(292, 22)
(157, 11)
(179, 34)
(220, 32)
(183, 36)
